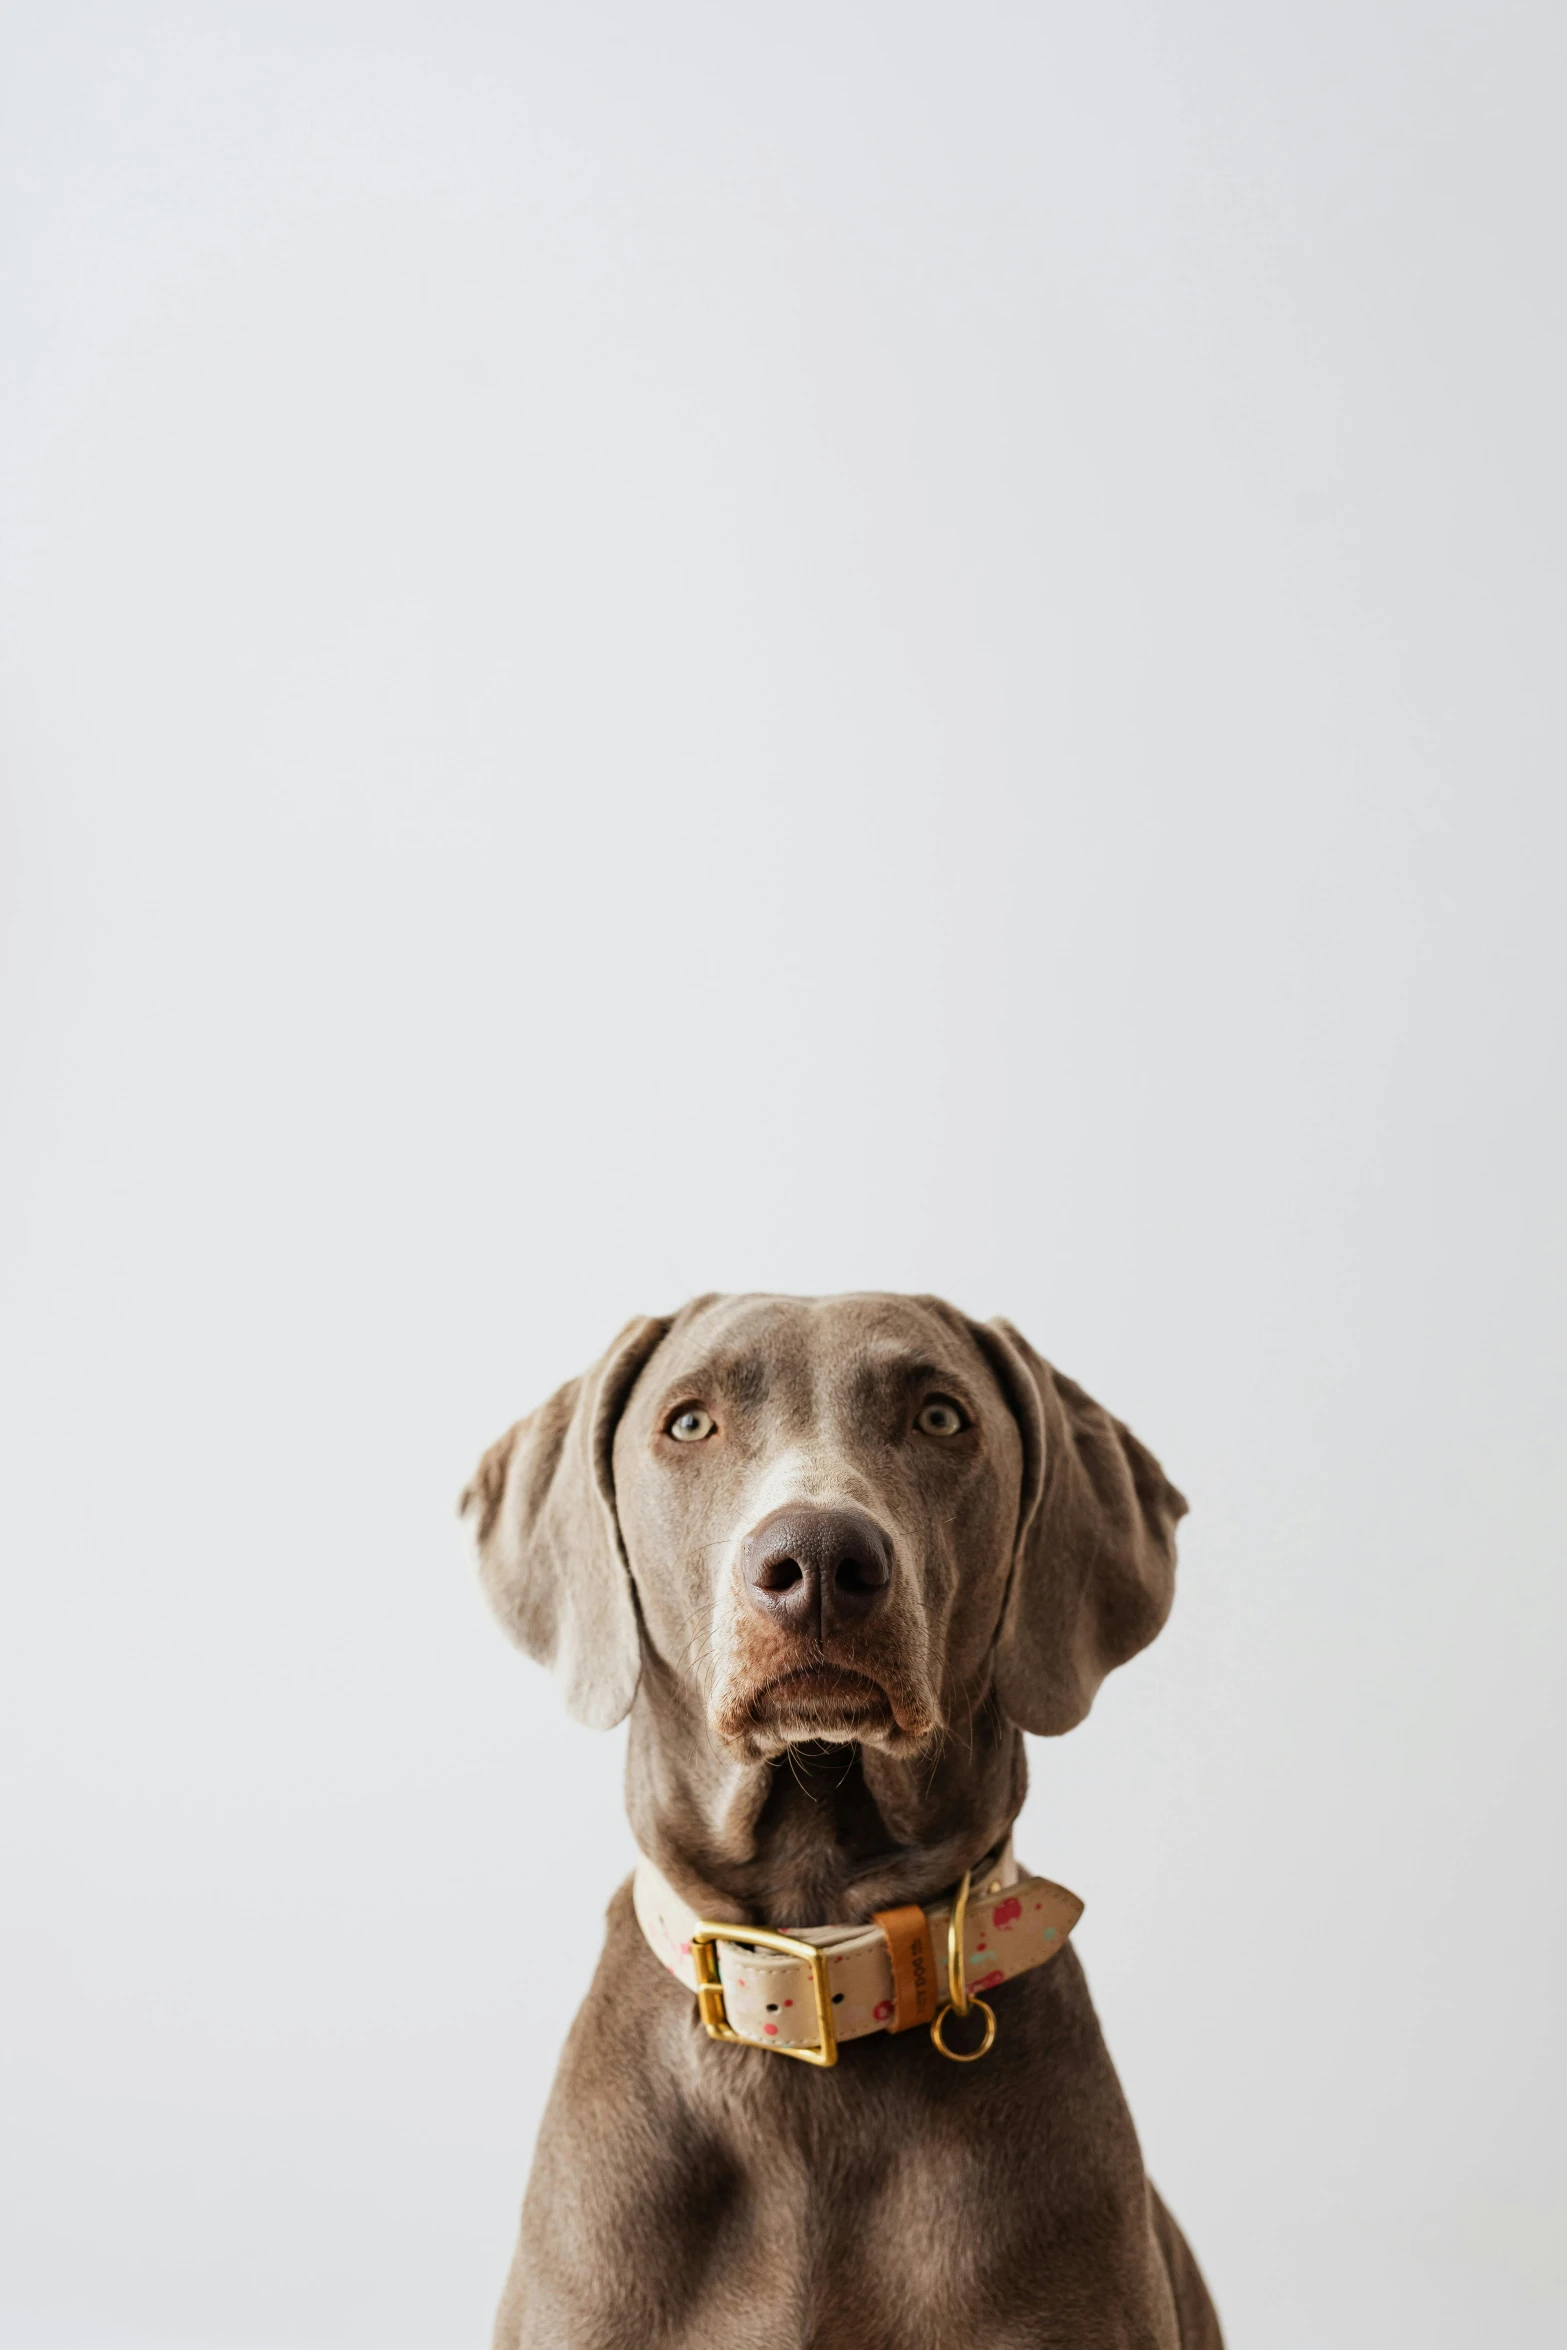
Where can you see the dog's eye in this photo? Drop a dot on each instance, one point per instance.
(690, 1424)
(940, 1417)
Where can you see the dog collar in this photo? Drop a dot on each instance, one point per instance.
(802, 1993)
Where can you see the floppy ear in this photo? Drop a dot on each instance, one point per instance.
(1094, 1572)
(541, 1515)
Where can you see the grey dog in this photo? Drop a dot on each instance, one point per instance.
(833, 1556)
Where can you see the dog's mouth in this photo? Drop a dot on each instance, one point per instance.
(820, 1701)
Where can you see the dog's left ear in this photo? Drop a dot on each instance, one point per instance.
(541, 1512)
(1094, 1571)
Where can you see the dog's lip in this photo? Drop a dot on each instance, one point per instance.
(826, 1700)
(840, 1685)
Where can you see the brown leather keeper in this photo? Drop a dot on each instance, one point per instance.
(913, 1965)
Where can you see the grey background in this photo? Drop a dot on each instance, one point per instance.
(806, 648)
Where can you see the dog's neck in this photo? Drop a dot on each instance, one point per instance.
(820, 1835)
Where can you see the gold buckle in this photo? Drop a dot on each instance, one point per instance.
(705, 1939)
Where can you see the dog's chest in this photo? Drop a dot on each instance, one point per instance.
(894, 2201)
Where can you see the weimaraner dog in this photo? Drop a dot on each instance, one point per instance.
(834, 1556)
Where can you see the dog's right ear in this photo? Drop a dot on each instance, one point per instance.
(541, 1515)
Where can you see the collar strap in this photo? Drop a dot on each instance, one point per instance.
(801, 1993)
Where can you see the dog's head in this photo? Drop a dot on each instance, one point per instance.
(847, 1518)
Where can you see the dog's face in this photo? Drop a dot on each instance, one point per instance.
(852, 1518)
(819, 1502)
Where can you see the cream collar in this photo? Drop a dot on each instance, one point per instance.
(803, 1993)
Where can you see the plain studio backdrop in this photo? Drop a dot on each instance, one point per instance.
(651, 649)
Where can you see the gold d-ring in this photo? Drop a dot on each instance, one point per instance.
(959, 1997)
(970, 2055)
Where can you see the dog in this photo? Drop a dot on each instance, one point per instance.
(833, 1556)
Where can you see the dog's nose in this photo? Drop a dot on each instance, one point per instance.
(814, 1570)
